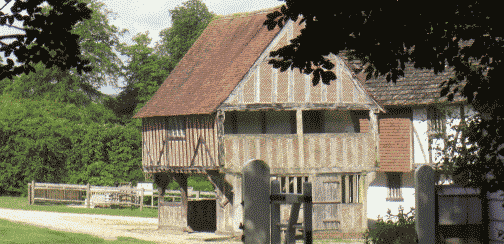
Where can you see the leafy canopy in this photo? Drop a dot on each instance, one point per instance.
(385, 35)
(42, 37)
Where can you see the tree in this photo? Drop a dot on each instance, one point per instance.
(97, 39)
(148, 67)
(385, 36)
(45, 38)
(188, 22)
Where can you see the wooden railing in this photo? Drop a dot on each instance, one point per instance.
(394, 194)
(102, 195)
(345, 150)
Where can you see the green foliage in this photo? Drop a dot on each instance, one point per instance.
(400, 231)
(50, 141)
(44, 36)
(148, 67)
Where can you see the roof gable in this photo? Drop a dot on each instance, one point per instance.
(264, 85)
(212, 67)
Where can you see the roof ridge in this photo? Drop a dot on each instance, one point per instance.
(255, 12)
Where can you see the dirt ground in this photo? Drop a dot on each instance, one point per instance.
(110, 227)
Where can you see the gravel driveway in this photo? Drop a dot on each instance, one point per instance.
(110, 227)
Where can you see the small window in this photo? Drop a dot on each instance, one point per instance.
(437, 121)
(394, 193)
(176, 127)
(292, 184)
(350, 188)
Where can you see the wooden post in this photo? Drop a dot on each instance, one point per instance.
(300, 136)
(256, 197)
(33, 192)
(290, 236)
(88, 194)
(152, 200)
(275, 214)
(425, 201)
(182, 181)
(29, 193)
(307, 212)
(141, 199)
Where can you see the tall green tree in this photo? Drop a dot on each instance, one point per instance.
(148, 67)
(45, 38)
(98, 40)
(188, 22)
(385, 35)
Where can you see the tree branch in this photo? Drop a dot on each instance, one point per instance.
(5, 5)
(11, 36)
(19, 28)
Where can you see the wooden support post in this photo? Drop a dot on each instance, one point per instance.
(275, 214)
(141, 199)
(33, 193)
(307, 212)
(300, 136)
(88, 194)
(182, 181)
(290, 236)
(152, 200)
(29, 193)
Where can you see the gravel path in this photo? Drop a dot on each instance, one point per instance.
(111, 227)
(105, 226)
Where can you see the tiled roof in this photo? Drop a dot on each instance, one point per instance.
(212, 68)
(417, 87)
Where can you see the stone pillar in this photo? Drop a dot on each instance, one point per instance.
(425, 201)
(256, 194)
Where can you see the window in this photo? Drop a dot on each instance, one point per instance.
(394, 187)
(437, 121)
(350, 188)
(175, 128)
(291, 184)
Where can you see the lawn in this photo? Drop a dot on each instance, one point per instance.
(22, 203)
(13, 232)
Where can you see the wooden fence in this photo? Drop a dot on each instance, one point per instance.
(102, 195)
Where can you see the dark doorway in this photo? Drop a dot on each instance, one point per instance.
(202, 215)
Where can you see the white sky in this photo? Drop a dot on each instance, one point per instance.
(153, 15)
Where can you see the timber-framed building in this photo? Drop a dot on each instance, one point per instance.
(224, 104)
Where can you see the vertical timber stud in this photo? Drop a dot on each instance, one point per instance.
(275, 214)
(425, 219)
(373, 124)
(256, 198)
(220, 137)
(299, 129)
(307, 212)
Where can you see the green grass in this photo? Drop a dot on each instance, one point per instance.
(13, 232)
(22, 203)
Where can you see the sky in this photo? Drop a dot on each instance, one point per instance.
(153, 16)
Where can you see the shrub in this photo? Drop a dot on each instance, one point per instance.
(390, 232)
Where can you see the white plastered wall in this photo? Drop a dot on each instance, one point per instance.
(377, 195)
(420, 137)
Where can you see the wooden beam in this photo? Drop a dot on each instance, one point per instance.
(220, 136)
(295, 106)
(182, 181)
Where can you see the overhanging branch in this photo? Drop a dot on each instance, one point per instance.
(12, 36)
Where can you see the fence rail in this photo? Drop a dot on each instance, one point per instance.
(97, 195)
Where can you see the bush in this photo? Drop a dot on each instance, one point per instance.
(390, 232)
